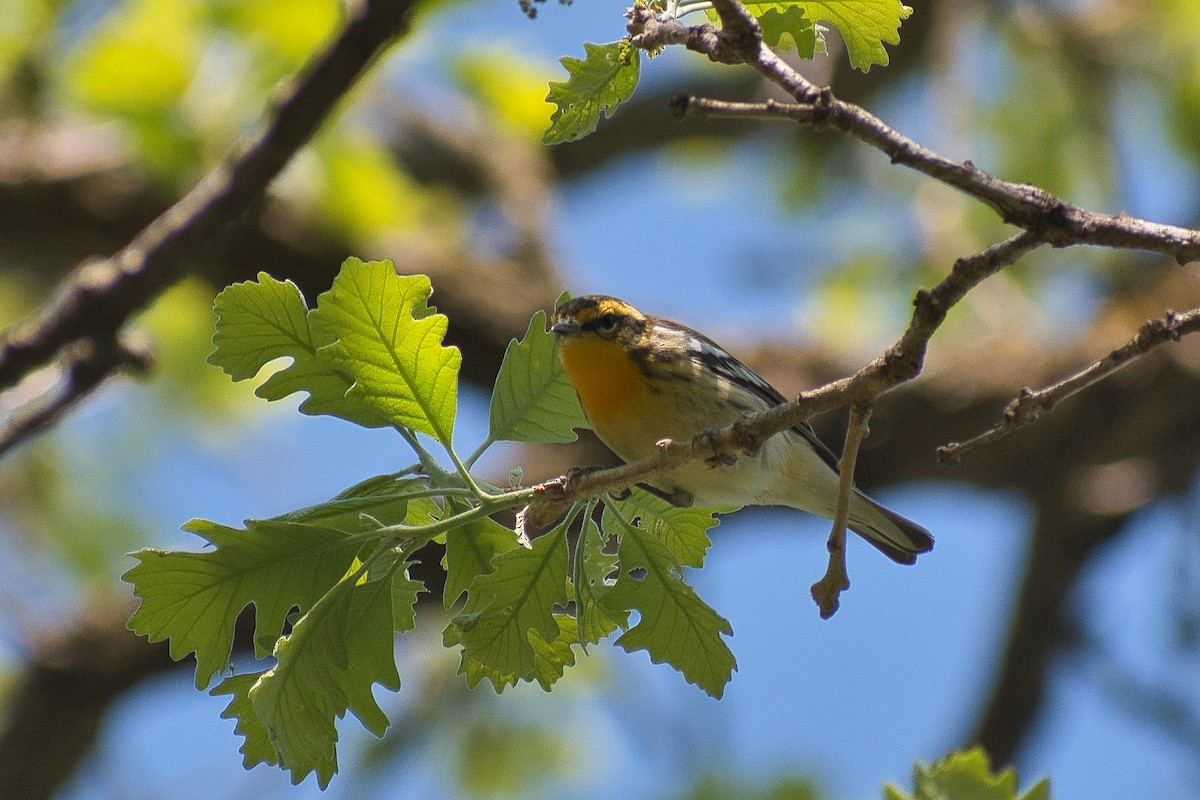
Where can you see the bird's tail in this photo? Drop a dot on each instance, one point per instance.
(900, 539)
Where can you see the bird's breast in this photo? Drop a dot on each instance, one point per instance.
(610, 384)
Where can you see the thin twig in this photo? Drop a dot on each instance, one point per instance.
(688, 106)
(1030, 404)
(836, 579)
(1054, 220)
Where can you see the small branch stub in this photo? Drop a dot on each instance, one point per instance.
(827, 591)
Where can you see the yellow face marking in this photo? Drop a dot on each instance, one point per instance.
(595, 307)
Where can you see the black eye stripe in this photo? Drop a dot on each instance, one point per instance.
(603, 323)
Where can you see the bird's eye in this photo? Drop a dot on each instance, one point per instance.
(607, 325)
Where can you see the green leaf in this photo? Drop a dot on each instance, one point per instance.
(470, 550)
(258, 322)
(366, 193)
(390, 341)
(682, 530)
(506, 605)
(553, 657)
(1039, 791)
(793, 23)
(550, 659)
(966, 774)
(256, 747)
(597, 84)
(594, 620)
(404, 601)
(290, 40)
(138, 61)
(194, 598)
(676, 626)
(865, 25)
(385, 498)
(533, 401)
(315, 679)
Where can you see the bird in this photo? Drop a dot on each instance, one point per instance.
(642, 379)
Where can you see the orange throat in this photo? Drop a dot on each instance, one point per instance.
(607, 380)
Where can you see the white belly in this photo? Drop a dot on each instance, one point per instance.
(786, 471)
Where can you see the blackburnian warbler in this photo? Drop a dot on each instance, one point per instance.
(641, 379)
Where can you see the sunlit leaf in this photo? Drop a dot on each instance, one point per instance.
(256, 745)
(259, 321)
(470, 551)
(139, 60)
(509, 603)
(551, 658)
(598, 83)
(390, 341)
(23, 26)
(682, 530)
(790, 22)
(292, 36)
(404, 601)
(967, 773)
(386, 498)
(593, 566)
(366, 191)
(511, 87)
(865, 25)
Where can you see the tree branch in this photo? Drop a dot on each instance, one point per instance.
(97, 299)
(1030, 404)
(85, 367)
(1052, 219)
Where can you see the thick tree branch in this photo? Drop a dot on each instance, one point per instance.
(95, 302)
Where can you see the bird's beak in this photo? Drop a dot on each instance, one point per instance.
(564, 328)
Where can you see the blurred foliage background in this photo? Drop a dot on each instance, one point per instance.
(1070, 553)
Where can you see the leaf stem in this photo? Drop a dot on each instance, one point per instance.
(367, 562)
(438, 491)
(489, 504)
(428, 463)
(465, 473)
(577, 576)
(471, 459)
(435, 470)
